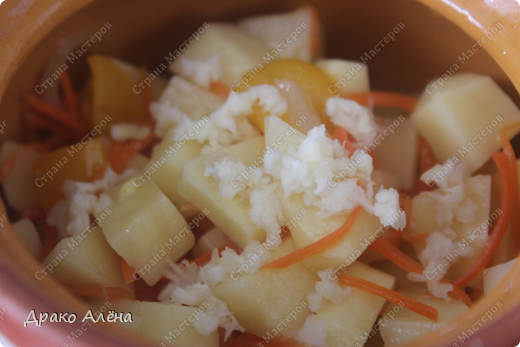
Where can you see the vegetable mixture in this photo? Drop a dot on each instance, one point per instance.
(265, 195)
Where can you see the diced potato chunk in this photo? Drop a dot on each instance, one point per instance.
(239, 51)
(19, 186)
(261, 300)
(348, 76)
(146, 229)
(80, 162)
(465, 118)
(399, 325)
(350, 321)
(424, 219)
(311, 228)
(398, 153)
(275, 28)
(165, 169)
(86, 260)
(494, 275)
(163, 323)
(113, 92)
(229, 215)
(27, 233)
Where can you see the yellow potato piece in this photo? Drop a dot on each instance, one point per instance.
(262, 300)
(166, 324)
(351, 321)
(146, 229)
(81, 162)
(229, 215)
(113, 93)
(165, 169)
(399, 325)
(348, 76)
(465, 118)
(86, 260)
(494, 275)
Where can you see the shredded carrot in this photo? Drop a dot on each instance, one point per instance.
(342, 136)
(40, 122)
(396, 235)
(104, 292)
(508, 150)
(390, 295)
(70, 96)
(506, 205)
(203, 260)
(120, 153)
(8, 166)
(316, 247)
(427, 161)
(384, 99)
(220, 89)
(50, 240)
(128, 272)
(406, 263)
(53, 112)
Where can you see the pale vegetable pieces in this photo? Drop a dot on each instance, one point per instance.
(348, 76)
(237, 50)
(19, 186)
(229, 215)
(146, 229)
(261, 300)
(86, 260)
(165, 169)
(166, 323)
(494, 275)
(26, 231)
(350, 322)
(399, 325)
(465, 118)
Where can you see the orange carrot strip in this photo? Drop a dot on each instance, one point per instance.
(104, 292)
(316, 247)
(57, 114)
(390, 295)
(70, 96)
(341, 134)
(506, 205)
(50, 125)
(427, 161)
(384, 99)
(396, 235)
(206, 258)
(406, 263)
(508, 150)
(121, 153)
(128, 272)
